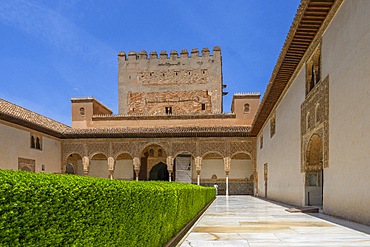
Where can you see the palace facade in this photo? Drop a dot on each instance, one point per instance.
(305, 143)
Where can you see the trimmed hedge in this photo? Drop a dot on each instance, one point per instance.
(58, 210)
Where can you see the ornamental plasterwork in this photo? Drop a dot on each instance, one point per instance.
(219, 147)
(98, 147)
(71, 148)
(123, 147)
(190, 147)
(171, 146)
(315, 120)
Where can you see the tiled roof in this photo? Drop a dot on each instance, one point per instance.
(19, 115)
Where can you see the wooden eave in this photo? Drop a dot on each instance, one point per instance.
(309, 18)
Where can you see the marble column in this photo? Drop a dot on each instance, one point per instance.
(86, 165)
(198, 167)
(169, 162)
(111, 167)
(136, 163)
(227, 162)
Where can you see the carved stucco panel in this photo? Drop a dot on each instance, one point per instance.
(71, 148)
(98, 147)
(184, 146)
(316, 106)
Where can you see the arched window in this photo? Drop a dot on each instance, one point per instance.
(247, 108)
(272, 126)
(32, 141)
(151, 152)
(308, 125)
(317, 117)
(82, 111)
(160, 152)
(70, 169)
(38, 144)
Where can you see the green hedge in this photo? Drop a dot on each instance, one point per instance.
(69, 210)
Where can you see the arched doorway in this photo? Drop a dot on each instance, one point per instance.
(241, 179)
(70, 169)
(151, 156)
(183, 168)
(74, 164)
(314, 173)
(159, 172)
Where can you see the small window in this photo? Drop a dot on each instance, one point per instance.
(169, 110)
(38, 144)
(317, 116)
(261, 141)
(247, 108)
(308, 126)
(272, 126)
(82, 111)
(43, 168)
(203, 107)
(151, 152)
(33, 143)
(160, 152)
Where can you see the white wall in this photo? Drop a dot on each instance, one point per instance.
(212, 166)
(99, 168)
(124, 170)
(346, 59)
(241, 169)
(282, 152)
(15, 143)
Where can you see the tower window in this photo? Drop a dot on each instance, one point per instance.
(169, 110)
(82, 111)
(247, 108)
(203, 107)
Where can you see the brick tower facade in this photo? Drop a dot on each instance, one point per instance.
(170, 84)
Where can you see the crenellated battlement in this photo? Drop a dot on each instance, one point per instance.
(173, 55)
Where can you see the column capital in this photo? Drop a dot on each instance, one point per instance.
(198, 163)
(227, 162)
(136, 163)
(169, 162)
(111, 163)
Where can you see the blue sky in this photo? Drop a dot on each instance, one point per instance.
(52, 51)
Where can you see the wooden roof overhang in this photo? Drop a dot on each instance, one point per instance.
(307, 22)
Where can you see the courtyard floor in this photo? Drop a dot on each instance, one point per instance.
(250, 221)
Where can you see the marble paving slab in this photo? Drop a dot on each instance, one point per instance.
(250, 221)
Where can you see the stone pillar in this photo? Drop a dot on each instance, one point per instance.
(227, 162)
(198, 167)
(136, 163)
(86, 165)
(111, 166)
(169, 162)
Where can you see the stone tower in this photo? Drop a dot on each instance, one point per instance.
(170, 84)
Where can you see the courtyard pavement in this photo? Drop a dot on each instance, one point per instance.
(250, 221)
